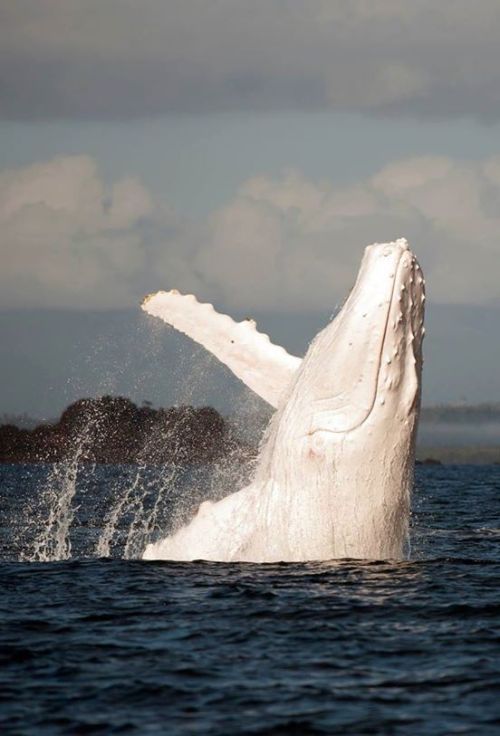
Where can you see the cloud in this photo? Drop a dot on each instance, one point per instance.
(88, 59)
(289, 243)
(69, 239)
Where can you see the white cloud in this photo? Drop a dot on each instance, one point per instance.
(287, 243)
(68, 240)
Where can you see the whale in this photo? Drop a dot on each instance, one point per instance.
(334, 474)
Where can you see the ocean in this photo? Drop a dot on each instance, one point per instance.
(115, 645)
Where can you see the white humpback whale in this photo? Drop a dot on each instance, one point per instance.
(335, 469)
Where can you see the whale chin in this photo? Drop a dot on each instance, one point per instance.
(335, 469)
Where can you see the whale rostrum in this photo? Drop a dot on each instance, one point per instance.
(335, 470)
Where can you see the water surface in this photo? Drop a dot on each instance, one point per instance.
(122, 646)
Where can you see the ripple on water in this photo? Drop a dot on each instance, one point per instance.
(344, 647)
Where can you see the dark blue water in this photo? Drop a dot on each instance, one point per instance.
(119, 646)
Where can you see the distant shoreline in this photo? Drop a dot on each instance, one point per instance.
(113, 430)
(459, 455)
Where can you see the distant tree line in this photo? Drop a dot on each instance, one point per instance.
(114, 430)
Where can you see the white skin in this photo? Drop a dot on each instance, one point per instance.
(335, 470)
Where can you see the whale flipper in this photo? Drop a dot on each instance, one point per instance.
(264, 367)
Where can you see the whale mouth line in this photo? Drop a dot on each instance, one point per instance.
(369, 409)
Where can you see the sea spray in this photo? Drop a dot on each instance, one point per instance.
(145, 518)
(56, 499)
(165, 495)
(123, 503)
(134, 517)
(157, 491)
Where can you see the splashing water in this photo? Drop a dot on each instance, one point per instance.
(135, 505)
(104, 545)
(140, 501)
(53, 542)
(145, 523)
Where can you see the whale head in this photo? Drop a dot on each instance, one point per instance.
(345, 433)
(366, 364)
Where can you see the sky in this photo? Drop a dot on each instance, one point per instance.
(246, 152)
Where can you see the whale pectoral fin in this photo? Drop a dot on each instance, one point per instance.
(265, 368)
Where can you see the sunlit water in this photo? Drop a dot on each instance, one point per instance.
(116, 645)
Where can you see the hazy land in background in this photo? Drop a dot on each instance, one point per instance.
(52, 358)
(115, 430)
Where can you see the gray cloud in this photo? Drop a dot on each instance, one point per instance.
(68, 240)
(119, 59)
(290, 243)
(286, 243)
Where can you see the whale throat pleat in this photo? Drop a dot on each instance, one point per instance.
(267, 369)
